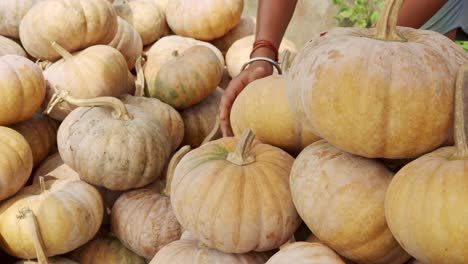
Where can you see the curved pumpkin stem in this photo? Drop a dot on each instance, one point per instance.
(386, 28)
(460, 130)
(216, 129)
(242, 156)
(284, 60)
(43, 64)
(28, 215)
(171, 168)
(140, 80)
(120, 111)
(61, 51)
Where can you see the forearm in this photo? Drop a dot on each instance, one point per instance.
(414, 13)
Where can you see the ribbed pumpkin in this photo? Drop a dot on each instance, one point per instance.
(375, 92)
(11, 12)
(16, 162)
(258, 103)
(186, 79)
(200, 119)
(128, 42)
(68, 213)
(426, 203)
(23, 89)
(74, 24)
(224, 190)
(40, 132)
(207, 20)
(347, 212)
(113, 145)
(144, 16)
(105, 248)
(246, 27)
(8, 46)
(96, 71)
(194, 252)
(305, 253)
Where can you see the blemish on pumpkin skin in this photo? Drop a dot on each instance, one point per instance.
(271, 236)
(334, 54)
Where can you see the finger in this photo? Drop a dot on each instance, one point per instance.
(226, 128)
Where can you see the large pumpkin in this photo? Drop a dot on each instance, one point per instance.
(68, 213)
(128, 42)
(305, 253)
(11, 12)
(74, 24)
(8, 46)
(206, 20)
(16, 162)
(23, 89)
(224, 190)
(426, 203)
(385, 92)
(263, 107)
(341, 199)
(246, 27)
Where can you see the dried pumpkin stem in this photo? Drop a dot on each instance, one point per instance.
(215, 131)
(61, 51)
(460, 130)
(386, 28)
(172, 166)
(36, 236)
(42, 184)
(284, 60)
(140, 80)
(242, 156)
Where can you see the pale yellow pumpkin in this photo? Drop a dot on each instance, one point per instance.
(68, 213)
(224, 190)
(246, 27)
(378, 93)
(426, 202)
(22, 89)
(96, 71)
(16, 162)
(8, 46)
(187, 78)
(305, 253)
(348, 209)
(194, 252)
(128, 41)
(11, 12)
(207, 20)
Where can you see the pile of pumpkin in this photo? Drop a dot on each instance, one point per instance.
(111, 153)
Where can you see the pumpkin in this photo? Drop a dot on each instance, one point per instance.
(105, 248)
(161, 4)
(254, 108)
(23, 89)
(194, 252)
(375, 92)
(113, 145)
(67, 214)
(207, 20)
(152, 222)
(222, 191)
(128, 41)
(96, 71)
(186, 79)
(16, 162)
(305, 253)
(426, 201)
(8, 46)
(55, 260)
(11, 12)
(348, 209)
(74, 24)
(144, 16)
(246, 27)
(40, 132)
(415, 261)
(239, 53)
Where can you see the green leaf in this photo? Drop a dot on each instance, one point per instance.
(345, 13)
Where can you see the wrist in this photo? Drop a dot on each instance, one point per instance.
(263, 52)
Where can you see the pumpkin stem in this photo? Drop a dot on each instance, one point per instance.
(175, 53)
(242, 156)
(61, 51)
(284, 60)
(42, 184)
(216, 130)
(120, 111)
(28, 215)
(386, 28)
(43, 64)
(171, 168)
(460, 130)
(140, 80)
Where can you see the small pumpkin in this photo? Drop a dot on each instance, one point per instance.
(305, 253)
(23, 89)
(128, 41)
(8, 46)
(222, 191)
(16, 162)
(11, 12)
(246, 27)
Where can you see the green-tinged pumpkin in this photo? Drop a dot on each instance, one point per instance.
(8, 46)
(305, 253)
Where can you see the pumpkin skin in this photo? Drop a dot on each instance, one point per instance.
(348, 210)
(200, 119)
(8, 46)
(244, 195)
(192, 251)
(246, 27)
(186, 79)
(23, 89)
(57, 260)
(207, 20)
(68, 213)
(74, 24)
(128, 41)
(257, 103)
(11, 12)
(16, 162)
(305, 253)
(40, 132)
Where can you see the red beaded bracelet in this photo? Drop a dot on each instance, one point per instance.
(262, 43)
